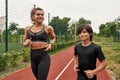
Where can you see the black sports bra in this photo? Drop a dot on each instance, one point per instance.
(38, 36)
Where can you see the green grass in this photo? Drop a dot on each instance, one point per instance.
(112, 54)
(11, 46)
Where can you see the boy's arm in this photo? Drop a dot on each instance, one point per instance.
(102, 65)
(91, 73)
(76, 63)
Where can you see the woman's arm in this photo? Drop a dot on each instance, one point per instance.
(26, 41)
(52, 36)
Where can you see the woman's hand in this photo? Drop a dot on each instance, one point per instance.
(48, 47)
(27, 42)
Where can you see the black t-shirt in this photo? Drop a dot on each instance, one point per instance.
(87, 55)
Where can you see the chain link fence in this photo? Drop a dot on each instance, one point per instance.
(19, 16)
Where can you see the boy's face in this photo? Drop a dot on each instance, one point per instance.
(84, 35)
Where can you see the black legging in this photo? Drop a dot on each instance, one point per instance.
(40, 63)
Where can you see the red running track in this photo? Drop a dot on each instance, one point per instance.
(61, 69)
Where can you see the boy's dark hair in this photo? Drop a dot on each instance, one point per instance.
(88, 28)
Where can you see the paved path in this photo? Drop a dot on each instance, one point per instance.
(61, 69)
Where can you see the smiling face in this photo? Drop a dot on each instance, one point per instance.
(84, 35)
(37, 15)
(85, 32)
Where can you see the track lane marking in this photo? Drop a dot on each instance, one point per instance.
(64, 69)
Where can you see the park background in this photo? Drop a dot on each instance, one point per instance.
(14, 18)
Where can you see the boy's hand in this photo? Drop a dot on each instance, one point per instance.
(76, 69)
(89, 73)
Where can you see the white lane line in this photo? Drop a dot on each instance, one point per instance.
(64, 69)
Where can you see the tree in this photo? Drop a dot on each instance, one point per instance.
(102, 29)
(21, 31)
(60, 25)
(108, 29)
(77, 23)
(13, 27)
(83, 21)
(13, 30)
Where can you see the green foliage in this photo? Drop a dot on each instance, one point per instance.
(75, 24)
(13, 59)
(21, 31)
(3, 62)
(13, 27)
(109, 29)
(60, 25)
(25, 54)
(14, 33)
(112, 54)
(61, 45)
(116, 57)
(11, 46)
(83, 21)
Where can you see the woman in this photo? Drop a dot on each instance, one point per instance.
(86, 54)
(36, 36)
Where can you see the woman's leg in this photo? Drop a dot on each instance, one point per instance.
(43, 67)
(34, 68)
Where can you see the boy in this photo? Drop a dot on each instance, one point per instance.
(86, 54)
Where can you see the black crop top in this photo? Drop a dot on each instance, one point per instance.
(38, 36)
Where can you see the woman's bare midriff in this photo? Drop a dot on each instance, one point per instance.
(38, 45)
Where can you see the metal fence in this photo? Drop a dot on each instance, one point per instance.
(18, 12)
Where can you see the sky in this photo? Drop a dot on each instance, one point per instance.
(98, 11)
